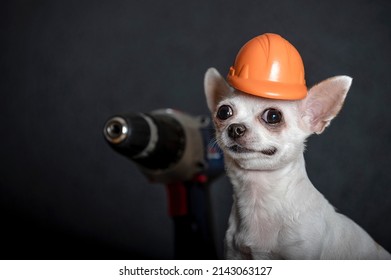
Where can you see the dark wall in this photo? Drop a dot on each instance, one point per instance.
(66, 66)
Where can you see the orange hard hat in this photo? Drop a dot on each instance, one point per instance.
(269, 66)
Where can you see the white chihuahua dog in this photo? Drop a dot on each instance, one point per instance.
(277, 213)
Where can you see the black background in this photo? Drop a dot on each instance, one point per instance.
(66, 66)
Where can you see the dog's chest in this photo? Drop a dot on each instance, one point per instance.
(258, 215)
(259, 227)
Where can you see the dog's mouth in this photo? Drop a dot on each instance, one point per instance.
(239, 149)
(269, 152)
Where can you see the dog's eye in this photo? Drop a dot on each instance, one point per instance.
(224, 112)
(272, 116)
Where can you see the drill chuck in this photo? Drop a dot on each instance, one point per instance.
(153, 141)
(116, 130)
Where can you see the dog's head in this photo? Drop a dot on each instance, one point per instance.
(265, 134)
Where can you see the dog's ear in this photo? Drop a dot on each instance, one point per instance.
(216, 88)
(323, 102)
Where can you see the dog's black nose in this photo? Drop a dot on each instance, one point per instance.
(236, 130)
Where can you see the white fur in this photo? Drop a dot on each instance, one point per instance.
(277, 213)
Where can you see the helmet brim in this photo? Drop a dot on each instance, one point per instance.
(268, 89)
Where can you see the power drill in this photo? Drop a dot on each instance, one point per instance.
(178, 150)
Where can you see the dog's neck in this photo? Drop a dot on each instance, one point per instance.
(271, 193)
(268, 181)
(262, 200)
